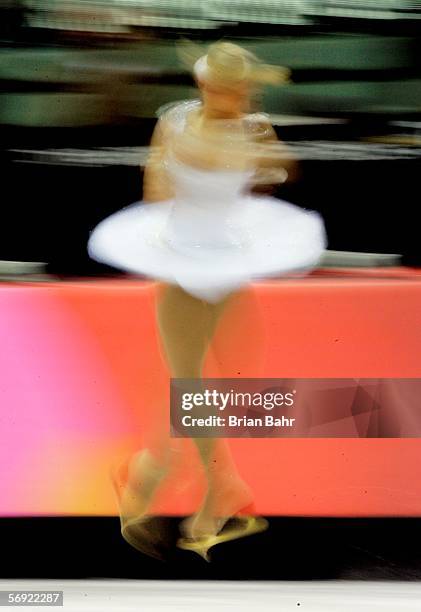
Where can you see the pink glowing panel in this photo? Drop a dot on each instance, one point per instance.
(62, 412)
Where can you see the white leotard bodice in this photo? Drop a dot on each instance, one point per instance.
(205, 206)
(206, 202)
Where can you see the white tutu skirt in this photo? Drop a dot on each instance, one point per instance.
(270, 238)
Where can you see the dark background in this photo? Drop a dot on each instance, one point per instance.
(293, 548)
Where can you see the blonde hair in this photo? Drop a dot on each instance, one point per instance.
(228, 64)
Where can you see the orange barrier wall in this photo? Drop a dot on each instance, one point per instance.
(83, 381)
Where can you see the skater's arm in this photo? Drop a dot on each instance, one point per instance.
(156, 181)
(275, 163)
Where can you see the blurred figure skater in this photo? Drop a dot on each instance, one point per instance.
(204, 233)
